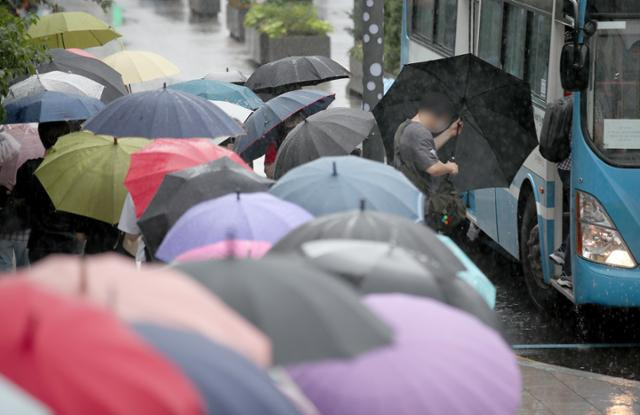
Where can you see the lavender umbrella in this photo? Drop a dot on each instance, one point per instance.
(444, 361)
(254, 216)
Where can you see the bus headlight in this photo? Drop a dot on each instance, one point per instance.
(598, 238)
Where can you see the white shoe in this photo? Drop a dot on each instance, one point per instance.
(557, 257)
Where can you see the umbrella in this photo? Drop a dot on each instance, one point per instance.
(164, 156)
(227, 249)
(232, 76)
(16, 401)
(184, 189)
(220, 91)
(250, 216)
(71, 30)
(261, 124)
(228, 383)
(443, 361)
(234, 111)
(307, 314)
(50, 106)
(332, 132)
(83, 174)
(65, 61)
(163, 113)
(67, 83)
(30, 148)
(81, 52)
(380, 267)
(295, 72)
(80, 360)
(499, 131)
(154, 295)
(336, 184)
(140, 66)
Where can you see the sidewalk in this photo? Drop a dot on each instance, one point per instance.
(550, 389)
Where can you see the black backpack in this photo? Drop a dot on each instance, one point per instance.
(555, 137)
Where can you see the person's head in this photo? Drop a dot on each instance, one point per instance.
(436, 112)
(50, 131)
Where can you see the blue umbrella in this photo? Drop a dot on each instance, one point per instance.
(338, 184)
(220, 91)
(228, 383)
(261, 124)
(163, 113)
(50, 106)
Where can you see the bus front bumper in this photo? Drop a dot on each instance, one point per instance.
(604, 285)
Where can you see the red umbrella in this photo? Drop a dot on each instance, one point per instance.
(30, 148)
(80, 360)
(150, 165)
(81, 52)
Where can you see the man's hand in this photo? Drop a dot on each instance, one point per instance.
(455, 128)
(453, 167)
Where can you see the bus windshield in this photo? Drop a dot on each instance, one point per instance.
(614, 98)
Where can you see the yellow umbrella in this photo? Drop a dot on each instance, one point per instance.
(139, 66)
(71, 30)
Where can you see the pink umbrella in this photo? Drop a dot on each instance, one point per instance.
(81, 52)
(154, 295)
(30, 148)
(227, 249)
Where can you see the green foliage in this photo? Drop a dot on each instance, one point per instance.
(280, 18)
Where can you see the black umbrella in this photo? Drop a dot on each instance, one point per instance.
(184, 189)
(333, 132)
(165, 113)
(95, 69)
(294, 72)
(499, 131)
(380, 267)
(307, 314)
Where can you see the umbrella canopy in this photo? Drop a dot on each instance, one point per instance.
(307, 314)
(65, 61)
(227, 249)
(380, 267)
(67, 354)
(50, 106)
(184, 189)
(30, 148)
(71, 30)
(163, 113)
(164, 156)
(137, 66)
(220, 91)
(67, 83)
(81, 52)
(443, 361)
(235, 111)
(337, 184)
(232, 76)
(250, 216)
(295, 72)
(154, 295)
(84, 174)
(332, 132)
(16, 401)
(499, 131)
(228, 383)
(261, 124)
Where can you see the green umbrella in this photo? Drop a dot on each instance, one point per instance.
(71, 30)
(84, 174)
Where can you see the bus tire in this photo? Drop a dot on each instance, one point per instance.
(543, 295)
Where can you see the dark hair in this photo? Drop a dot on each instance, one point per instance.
(50, 131)
(438, 104)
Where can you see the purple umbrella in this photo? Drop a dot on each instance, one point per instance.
(250, 216)
(443, 361)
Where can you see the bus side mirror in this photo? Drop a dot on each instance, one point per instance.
(574, 67)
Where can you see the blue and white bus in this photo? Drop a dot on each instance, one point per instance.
(526, 38)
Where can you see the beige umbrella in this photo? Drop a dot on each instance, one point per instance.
(154, 295)
(137, 66)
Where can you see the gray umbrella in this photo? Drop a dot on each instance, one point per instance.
(307, 314)
(380, 267)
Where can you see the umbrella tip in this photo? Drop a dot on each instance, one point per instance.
(238, 195)
(164, 85)
(83, 283)
(115, 141)
(363, 205)
(335, 169)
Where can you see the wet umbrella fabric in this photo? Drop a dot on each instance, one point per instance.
(30, 148)
(137, 66)
(71, 30)
(249, 216)
(338, 184)
(16, 401)
(295, 71)
(227, 249)
(236, 111)
(57, 81)
(261, 124)
(379, 267)
(228, 383)
(220, 91)
(184, 189)
(499, 131)
(442, 361)
(41, 331)
(332, 132)
(50, 106)
(163, 113)
(164, 156)
(307, 314)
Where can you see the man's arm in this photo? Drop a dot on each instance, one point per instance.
(442, 169)
(451, 132)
